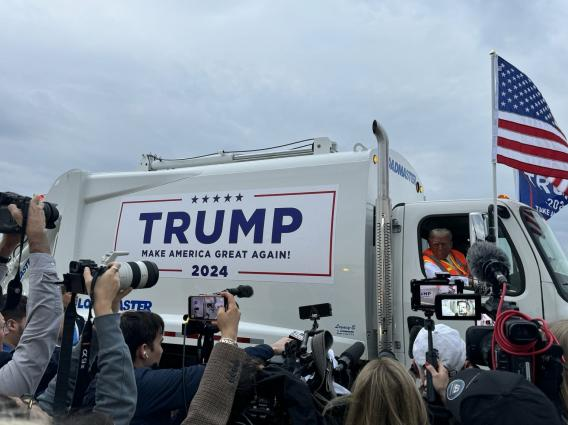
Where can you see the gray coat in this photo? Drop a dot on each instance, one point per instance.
(22, 374)
(115, 392)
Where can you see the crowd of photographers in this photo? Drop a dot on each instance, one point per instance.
(114, 377)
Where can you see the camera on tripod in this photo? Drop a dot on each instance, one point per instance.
(7, 222)
(297, 358)
(516, 343)
(445, 298)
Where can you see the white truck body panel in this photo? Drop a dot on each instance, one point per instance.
(92, 205)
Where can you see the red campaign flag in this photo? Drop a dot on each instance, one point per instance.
(528, 137)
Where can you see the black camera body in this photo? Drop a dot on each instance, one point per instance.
(7, 222)
(544, 370)
(517, 331)
(74, 281)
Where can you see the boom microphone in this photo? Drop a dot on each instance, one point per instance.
(241, 291)
(350, 356)
(488, 263)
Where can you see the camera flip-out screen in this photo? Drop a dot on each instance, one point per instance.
(458, 307)
(424, 291)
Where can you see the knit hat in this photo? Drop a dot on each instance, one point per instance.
(448, 342)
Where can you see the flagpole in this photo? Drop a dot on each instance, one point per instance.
(494, 232)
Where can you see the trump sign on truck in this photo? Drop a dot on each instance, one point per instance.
(283, 234)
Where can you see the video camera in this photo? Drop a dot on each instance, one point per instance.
(132, 274)
(442, 296)
(520, 344)
(314, 366)
(7, 222)
(302, 362)
(296, 355)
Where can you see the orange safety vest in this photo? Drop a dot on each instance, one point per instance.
(455, 264)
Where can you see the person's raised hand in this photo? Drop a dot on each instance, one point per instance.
(107, 287)
(279, 346)
(228, 320)
(35, 226)
(121, 294)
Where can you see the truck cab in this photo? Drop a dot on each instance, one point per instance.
(538, 280)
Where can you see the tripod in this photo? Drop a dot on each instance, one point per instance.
(205, 332)
(431, 356)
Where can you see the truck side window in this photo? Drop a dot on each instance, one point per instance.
(458, 225)
(443, 244)
(516, 274)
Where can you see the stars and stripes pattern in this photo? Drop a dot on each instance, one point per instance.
(528, 137)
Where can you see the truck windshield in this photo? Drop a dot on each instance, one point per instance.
(549, 248)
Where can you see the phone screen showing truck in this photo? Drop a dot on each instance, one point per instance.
(204, 307)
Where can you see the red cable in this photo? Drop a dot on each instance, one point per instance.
(500, 338)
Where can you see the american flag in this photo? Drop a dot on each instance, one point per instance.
(528, 137)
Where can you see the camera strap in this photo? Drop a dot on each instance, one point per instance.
(14, 288)
(64, 368)
(325, 391)
(83, 376)
(61, 400)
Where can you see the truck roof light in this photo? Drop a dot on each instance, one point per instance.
(503, 196)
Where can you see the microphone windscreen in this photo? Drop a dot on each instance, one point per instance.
(482, 252)
(354, 352)
(245, 291)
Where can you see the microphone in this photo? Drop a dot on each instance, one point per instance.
(488, 263)
(350, 356)
(241, 291)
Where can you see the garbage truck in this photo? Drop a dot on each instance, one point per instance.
(302, 227)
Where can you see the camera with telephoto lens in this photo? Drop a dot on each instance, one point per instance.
(7, 222)
(132, 274)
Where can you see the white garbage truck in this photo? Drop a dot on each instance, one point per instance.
(302, 227)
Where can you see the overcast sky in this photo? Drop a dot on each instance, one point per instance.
(95, 84)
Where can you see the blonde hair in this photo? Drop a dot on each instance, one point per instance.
(385, 394)
(560, 331)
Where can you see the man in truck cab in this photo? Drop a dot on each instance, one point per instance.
(441, 258)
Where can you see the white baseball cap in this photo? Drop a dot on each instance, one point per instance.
(448, 342)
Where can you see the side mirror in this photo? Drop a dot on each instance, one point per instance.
(477, 228)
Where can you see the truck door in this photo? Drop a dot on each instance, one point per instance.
(524, 273)
(525, 280)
